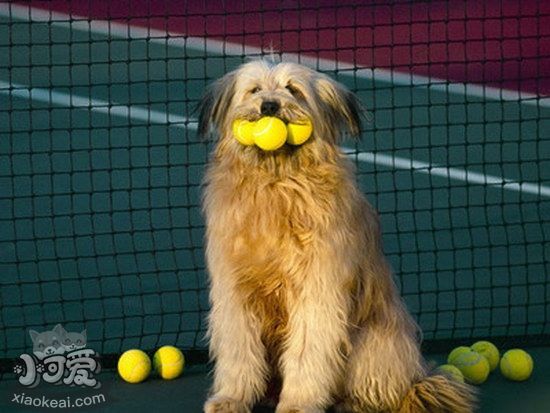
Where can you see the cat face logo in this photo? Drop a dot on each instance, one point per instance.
(56, 341)
(58, 356)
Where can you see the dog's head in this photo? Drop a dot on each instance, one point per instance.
(288, 91)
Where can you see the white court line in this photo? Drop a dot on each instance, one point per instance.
(157, 117)
(179, 40)
(125, 31)
(395, 162)
(71, 101)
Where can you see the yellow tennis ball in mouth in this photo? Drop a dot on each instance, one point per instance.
(242, 131)
(489, 351)
(168, 362)
(299, 132)
(134, 366)
(516, 365)
(473, 366)
(269, 133)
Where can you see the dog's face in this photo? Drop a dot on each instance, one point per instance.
(288, 91)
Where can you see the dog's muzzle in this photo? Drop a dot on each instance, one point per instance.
(269, 107)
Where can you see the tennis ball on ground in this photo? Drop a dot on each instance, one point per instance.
(134, 366)
(489, 351)
(516, 365)
(242, 131)
(269, 133)
(456, 352)
(299, 132)
(473, 366)
(168, 362)
(451, 371)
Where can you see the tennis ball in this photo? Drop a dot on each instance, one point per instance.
(456, 352)
(451, 371)
(242, 131)
(300, 132)
(269, 133)
(473, 366)
(168, 362)
(489, 351)
(134, 366)
(516, 365)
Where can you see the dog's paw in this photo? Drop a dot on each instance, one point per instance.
(219, 404)
(298, 409)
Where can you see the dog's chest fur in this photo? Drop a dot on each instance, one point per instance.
(268, 229)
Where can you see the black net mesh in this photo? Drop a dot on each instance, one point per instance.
(100, 166)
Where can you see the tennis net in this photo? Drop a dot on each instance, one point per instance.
(101, 169)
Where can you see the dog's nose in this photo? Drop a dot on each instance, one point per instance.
(269, 107)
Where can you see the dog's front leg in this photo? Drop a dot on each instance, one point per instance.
(235, 344)
(312, 362)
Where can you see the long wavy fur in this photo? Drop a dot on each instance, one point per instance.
(301, 293)
(438, 394)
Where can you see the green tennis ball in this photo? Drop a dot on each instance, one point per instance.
(451, 371)
(489, 351)
(473, 366)
(456, 352)
(516, 365)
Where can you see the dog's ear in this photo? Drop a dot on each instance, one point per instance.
(213, 106)
(342, 109)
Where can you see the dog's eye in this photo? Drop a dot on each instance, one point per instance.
(293, 90)
(255, 90)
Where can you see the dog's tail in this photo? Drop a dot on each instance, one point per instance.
(439, 394)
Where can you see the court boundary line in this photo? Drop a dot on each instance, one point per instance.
(72, 101)
(179, 40)
(454, 173)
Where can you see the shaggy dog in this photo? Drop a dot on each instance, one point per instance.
(301, 293)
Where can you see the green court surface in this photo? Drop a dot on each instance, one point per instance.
(187, 393)
(100, 223)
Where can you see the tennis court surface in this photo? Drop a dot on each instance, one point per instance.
(101, 170)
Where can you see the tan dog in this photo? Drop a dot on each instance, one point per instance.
(300, 290)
